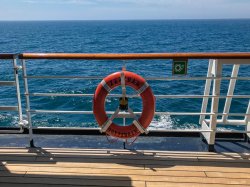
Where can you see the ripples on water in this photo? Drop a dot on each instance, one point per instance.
(119, 37)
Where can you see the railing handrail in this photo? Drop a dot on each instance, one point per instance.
(7, 55)
(214, 77)
(134, 56)
(128, 56)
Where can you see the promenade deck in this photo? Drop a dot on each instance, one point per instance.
(116, 167)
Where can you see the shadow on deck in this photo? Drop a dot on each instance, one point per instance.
(116, 167)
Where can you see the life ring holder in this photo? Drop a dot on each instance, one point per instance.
(139, 125)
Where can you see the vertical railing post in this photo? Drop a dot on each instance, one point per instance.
(19, 105)
(215, 103)
(27, 103)
(206, 90)
(247, 121)
(215, 67)
(230, 91)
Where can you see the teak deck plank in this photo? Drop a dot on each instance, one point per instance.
(103, 167)
(114, 166)
(109, 171)
(149, 178)
(173, 184)
(91, 180)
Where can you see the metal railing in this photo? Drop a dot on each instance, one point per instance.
(214, 78)
(15, 82)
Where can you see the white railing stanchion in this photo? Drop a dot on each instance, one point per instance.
(215, 101)
(247, 121)
(247, 117)
(27, 103)
(210, 136)
(206, 90)
(231, 88)
(17, 108)
(19, 105)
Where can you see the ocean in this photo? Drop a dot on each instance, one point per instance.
(119, 37)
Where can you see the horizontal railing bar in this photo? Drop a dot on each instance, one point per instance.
(8, 108)
(68, 128)
(7, 56)
(60, 111)
(153, 132)
(232, 131)
(199, 113)
(20, 131)
(178, 130)
(228, 122)
(149, 129)
(76, 95)
(65, 77)
(156, 113)
(195, 130)
(128, 56)
(147, 78)
(7, 83)
(202, 96)
(133, 96)
(135, 56)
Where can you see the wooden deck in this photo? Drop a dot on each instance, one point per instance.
(98, 167)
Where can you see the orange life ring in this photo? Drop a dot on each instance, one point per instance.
(148, 102)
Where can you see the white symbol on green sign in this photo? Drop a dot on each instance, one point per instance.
(179, 67)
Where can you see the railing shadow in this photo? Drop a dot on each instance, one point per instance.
(37, 179)
(133, 158)
(69, 167)
(22, 177)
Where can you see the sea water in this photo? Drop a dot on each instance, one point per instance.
(156, 36)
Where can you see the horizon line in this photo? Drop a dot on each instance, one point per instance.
(128, 19)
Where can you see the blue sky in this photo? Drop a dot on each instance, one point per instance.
(122, 9)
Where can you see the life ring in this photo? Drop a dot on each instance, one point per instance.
(148, 102)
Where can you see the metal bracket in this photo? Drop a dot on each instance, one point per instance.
(106, 125)
(137, 123)
(23, 123)
(143, 88)
(105, 86)
(18, 68)
(123, 84)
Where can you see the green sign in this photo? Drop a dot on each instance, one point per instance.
(179, 67)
